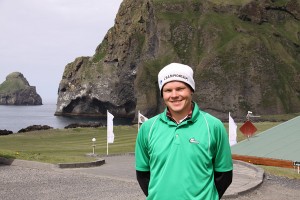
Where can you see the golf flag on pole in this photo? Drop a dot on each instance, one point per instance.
(110, 133)
(232, 131)
(142, 118)
(110, 126)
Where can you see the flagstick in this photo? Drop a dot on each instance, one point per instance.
(138, 120)
(107, 150)
(107, 133)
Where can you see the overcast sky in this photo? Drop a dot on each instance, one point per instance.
(40, 37)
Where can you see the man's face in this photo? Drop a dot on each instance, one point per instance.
(178, 97)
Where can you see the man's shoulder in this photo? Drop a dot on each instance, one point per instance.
(210, 117)
(151, 120)
(149, 124)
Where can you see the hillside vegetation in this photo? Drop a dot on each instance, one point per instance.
(245, 55)
(13, 83)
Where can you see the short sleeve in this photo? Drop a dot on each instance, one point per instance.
(141, 149)
(223, 157)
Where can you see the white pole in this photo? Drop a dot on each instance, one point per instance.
(107, 132)
(138, 120)
(94, 140)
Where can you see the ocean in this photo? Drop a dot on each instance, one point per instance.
(14, 118)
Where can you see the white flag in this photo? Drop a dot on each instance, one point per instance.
(142, 118)
(232, 131)
(110, 126)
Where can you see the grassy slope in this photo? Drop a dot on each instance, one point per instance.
(266, 47)
(12, 85)
(66, 145)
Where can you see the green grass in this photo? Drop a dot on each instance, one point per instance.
(66, 145)
(283, 172)
(72, 145)
(278, 118)
(261, 127)
(12, 85)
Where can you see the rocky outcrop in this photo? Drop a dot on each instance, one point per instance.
(15, 90)
(35, 128)
(5, 132)
(84, 125)
(245, 57)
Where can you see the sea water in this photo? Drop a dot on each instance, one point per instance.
(14, 118)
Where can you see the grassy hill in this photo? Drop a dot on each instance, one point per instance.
(14, 82)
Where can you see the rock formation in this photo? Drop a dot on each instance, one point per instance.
(245, 57)
(84, 125)
(35, 128)
(15, 90)
(5, 132)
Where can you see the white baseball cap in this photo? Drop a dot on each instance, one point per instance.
(176, 72)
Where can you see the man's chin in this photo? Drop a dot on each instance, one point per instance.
(176, 108)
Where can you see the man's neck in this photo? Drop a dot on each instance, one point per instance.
(179, 117)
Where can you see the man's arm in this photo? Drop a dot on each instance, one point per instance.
(143, 179)
(222, 181)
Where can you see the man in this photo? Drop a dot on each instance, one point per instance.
(182, 153)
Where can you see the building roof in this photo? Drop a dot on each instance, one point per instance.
(280, 142)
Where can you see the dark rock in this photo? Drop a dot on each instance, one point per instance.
(82, 125)
(5, 132)
(15, 90)
(35, 128)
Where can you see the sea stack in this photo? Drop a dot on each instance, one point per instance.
(15, 90)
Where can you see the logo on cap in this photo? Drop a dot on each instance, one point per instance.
(176, 75)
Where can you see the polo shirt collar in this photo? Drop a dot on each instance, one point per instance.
(192, 116)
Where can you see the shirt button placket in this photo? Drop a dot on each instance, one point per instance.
(177, 139)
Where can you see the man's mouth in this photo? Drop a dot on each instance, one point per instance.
(176, 102)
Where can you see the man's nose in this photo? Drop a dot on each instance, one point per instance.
(174, 93)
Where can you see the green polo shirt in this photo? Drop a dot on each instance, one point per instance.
(182, 157)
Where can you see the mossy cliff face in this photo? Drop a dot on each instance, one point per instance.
(15, 90)
(245, 55)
